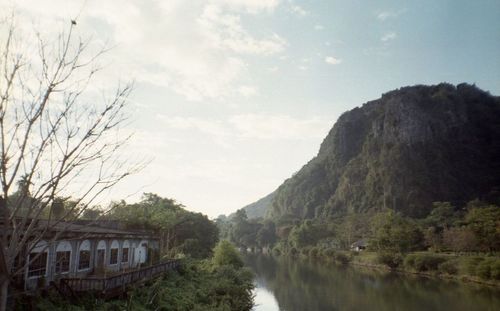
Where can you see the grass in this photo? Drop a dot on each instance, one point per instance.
(481, 268)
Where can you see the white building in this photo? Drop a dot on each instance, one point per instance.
(79, 250)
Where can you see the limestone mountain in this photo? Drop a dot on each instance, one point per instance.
(411, 147)
(259, 208)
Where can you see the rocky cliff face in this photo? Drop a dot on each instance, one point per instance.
(412, 147)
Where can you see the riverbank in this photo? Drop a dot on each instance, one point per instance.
(482, 269)
(292, 284)
(459, 270)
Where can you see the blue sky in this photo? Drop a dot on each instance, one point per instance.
(234, 96)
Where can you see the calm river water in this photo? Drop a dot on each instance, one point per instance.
(292, 285)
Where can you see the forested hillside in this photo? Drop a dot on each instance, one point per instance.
(259, 208)
(411, 147)
(408, 176)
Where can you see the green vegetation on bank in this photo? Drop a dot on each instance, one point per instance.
(211, 275)
(461, 242)
(476, 267)
(414, 171)
(218, 284)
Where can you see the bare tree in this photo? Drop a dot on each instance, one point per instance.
(58, 138)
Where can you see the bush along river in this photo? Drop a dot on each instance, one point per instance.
(291, 284)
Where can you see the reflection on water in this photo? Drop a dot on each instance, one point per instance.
(293, 285)
(264, 299)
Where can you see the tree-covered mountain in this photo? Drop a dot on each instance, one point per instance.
(259, 208)
(413, 146)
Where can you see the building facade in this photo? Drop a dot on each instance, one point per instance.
(86, 251)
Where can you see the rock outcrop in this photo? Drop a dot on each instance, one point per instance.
(411, 147)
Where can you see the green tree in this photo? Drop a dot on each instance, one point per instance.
(307, 233)
(195, 234)
(442, 215)
(93, 213)
(434, 238)
(393, 233)
(226, 254)
(266, 236)
(459, 239)
(172, 223)
(244, 232)
(485, 223)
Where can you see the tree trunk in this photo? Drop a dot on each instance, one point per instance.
(168, 240)
(4, 290)
(162, 242)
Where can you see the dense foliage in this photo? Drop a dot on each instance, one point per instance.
(179, 230)
(196, 286)
(218, 283)
(226, 255)
(412, 147)
(474, 227)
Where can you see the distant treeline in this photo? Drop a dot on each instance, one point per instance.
(471, 229)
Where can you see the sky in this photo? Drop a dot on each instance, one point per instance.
(234, 96)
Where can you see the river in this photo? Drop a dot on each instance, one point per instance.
(288, 284)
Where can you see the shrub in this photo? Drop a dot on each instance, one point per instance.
(471, 264)
(483, 269)
(276, 251)
(305, 250)
(328, 253)
(448, 267)
(392, 260)
(293, 251)
(424, 262)
(342, 258)
(495, 270)
(314, 252)
(226, 254)
(409, 261)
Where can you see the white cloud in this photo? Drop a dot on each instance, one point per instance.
(388, 36)
(251, 6)
(227, 32)
(385, 15)
(213, 128)
(299, 11)
(247, 91)
(332, 60)
(195, 48)
(319, 27)
(273, 69)
(258, 126)
(252, 126)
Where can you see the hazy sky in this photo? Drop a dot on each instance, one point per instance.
(234, 96)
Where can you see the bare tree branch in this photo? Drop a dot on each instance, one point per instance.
(57, 139)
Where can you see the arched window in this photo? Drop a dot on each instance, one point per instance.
(84, 255)
(63, 257)
(37, 260)
(125, 251)
(101, 254)
(132, 254)
(141, 252)
(113, 254)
